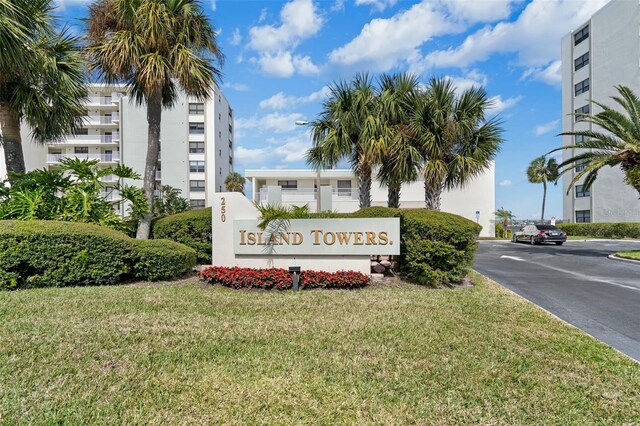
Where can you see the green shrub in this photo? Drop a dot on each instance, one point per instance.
(162, 259)
(602, 230)
(191, 228)
(36, 253)
(437, 247)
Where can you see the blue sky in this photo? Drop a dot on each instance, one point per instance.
(280, 56)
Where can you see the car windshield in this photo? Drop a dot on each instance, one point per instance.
(546, 227)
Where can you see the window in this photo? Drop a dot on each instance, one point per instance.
(219, 153)
(230, 112)
(196, 109)
(583, 216)
(219, 134)
(581, 61)
(107, 137)
(197, 204)
(219, 98)
(581, 36)
(344, 188)
(196, 166)
(196, 147)
(196, 128)
(83, 131)
(81, 150)
(580, 167)
(220, 173)
(582, 87)
(219, 116)
(581, 192)
(579, 139)
(231, 161)
(196, 185)
(230, 128)
(288, 184)
(582, 110)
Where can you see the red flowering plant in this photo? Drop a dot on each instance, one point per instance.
(280, 279)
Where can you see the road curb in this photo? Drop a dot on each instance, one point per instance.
(558, 318)
(622, 259)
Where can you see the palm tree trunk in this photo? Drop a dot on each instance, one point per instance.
(393, 195)
(364, 185)
(154, 117)
(11, 140)
(432, 195)
(544, 198)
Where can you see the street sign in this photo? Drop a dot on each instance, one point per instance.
(553, 220)
(477, 212)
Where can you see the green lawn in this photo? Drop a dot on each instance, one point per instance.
(631, 254)
(185, 354)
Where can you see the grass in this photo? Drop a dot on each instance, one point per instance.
(187, 354)
(630, 254)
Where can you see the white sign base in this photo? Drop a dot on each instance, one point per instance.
(228, 207)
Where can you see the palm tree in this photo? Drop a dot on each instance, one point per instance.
(542, 171)
(619, 146)
(234, 182)
(505, 216)
(41, 78)
(399, 158)
(457, 143)
(156, 47)
(345, 130)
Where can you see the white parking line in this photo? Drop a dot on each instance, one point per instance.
(512, 258)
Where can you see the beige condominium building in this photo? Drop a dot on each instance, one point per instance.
(196, 153)
(598, 55)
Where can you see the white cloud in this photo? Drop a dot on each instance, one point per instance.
(62, 4)
(545, 128)
(469, 80)
(290, 150)
(299, 21)
(505, 183)
(236, 38)
(379, 5)
(214, 6)
(534, 37)
(550, 74)
(384, 43)
(274, 122)
(500, 105)
(281, 101)
(284, 64)
(337, 6)
(263, 15)
(275, 44)
(237, 86)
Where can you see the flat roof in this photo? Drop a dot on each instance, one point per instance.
(297, 173)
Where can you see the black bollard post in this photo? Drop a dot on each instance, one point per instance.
(295, 277)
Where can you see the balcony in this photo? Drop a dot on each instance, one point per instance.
(101, 102)
(113, 138)
(103, 158)
(108, 121)
(109, 178)
(158, 174)
(110, 195)
(306, 195)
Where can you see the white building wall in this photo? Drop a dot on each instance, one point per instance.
(477, 196)
(127, 143)
(614, 49)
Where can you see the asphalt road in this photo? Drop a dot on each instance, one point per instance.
(576, 282)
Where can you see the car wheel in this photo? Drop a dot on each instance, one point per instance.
(532, 240)
(559, 243)
(513, 239)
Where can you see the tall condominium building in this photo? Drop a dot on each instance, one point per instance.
(598, 55)
(196, 142)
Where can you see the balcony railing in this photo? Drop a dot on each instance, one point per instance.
(309, 194)
(110, 195)
(93, 120)
(104, 158)
(92, 139)
(159, 175)
(100, 100)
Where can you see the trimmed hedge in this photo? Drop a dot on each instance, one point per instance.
(602, 230)
(38, 253)
(162, 259)
(191, 228)
(280, 279)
